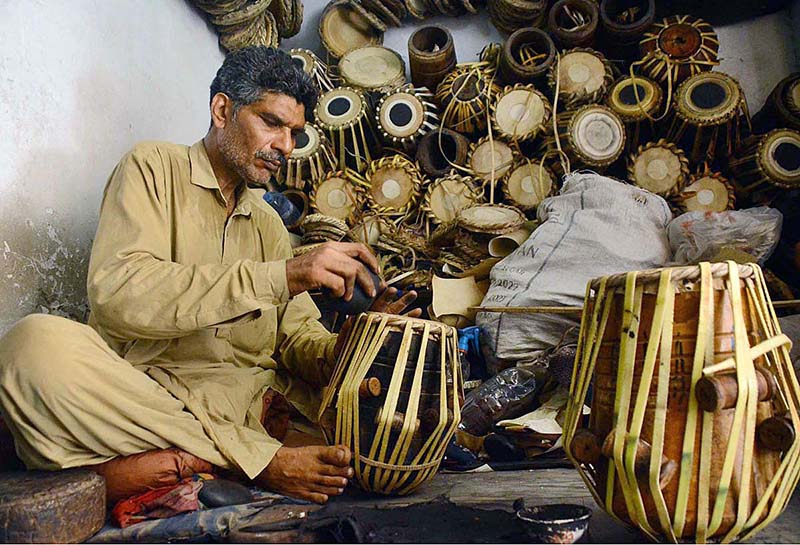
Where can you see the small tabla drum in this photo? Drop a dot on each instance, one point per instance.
(395, 400)
(528, 184)
(573, 23)
(447, 197)
(709, 111)
(337, 196)
(342, 28)
(394, 184)
(490, 159)
(464, 96)
(314, 67)
(312, 158)
(659, 167)
(491, 219)
(584, 76)
(592, 136)
(782, 107)
(706, 192)
(526, 57)
(694, 404)
(520, 113)
(637, 102)
(678, 47)
(344, 114)
(767, 166)
(623, 25)
(405, 115)
(431, 55)
(372, 69)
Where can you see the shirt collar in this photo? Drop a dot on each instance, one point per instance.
(201, 174)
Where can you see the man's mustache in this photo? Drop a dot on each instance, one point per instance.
(271, 156)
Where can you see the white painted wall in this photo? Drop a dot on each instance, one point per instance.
(80, 82)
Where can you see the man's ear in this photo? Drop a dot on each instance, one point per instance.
(221, 110)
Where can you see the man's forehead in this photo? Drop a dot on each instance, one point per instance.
(282, 106)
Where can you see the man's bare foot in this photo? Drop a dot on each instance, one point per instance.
(312, 473)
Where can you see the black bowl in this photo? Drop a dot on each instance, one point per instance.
(555, 523)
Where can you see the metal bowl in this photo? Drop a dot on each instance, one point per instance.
(555, 523)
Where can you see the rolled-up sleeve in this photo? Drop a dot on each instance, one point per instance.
(135, 289)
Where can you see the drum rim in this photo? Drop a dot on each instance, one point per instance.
(581, 112)
(718, 115)
(507, 56)
(777, 176)
(338, 175)
(483, 141)
(329, 46)
(699, 177)
(507, 92)
(683, 162)
(394, 320)
(468, 181)
(429, 119)
(356, 119)
(577, 98)
(353, 80)
(683, 273)
(652, 100)
(400, 162)
(317, 139)
(496, 228)
(507, 180)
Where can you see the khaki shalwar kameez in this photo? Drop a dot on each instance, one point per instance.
(191, 323)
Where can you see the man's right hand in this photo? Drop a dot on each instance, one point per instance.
(312, 473)
(333, 265)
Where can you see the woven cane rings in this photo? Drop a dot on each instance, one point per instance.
(393, 185)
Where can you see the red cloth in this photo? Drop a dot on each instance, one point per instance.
(160, 503)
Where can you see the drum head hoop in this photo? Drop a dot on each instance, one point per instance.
(708, 98)
(401, 114)
(372, 67)
(340, 107)
(520, 112)
(491, 218)
(306, 142)
(597, 133)
(334, 197)
(708, 193)
(303, 60)
(781, 157)
(680, 41)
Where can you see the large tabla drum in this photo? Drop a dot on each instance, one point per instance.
(767, 166)
(694, 404)
(395, 400)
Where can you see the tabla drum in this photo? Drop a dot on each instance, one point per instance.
(490, 159)
(659, 167)
(623, 23)
(520, 113)
(342, 28)
(440, 149)
(706, 192)
(312, 158)
(710, 109)
(446, 197)
(637, 102)
(404, 116)
(511, 15)
(526, 57)
(592, 136)
(314, 67)
(491, 219)
(584, 76)
(678, 47)
(691, 377)
(464, 96)
(336, 196)
(395, 400)
(782, 107)
(345, 116)
(528, 184)
(431, 55)
(372, 69)
(394, 184)
(573, 23)
(767, 166)
(369, 229)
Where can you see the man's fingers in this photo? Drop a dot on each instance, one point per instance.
(416, 313)
(331, 481)
(337, 455)
(360, 252)
(365, 280)
(334, 282)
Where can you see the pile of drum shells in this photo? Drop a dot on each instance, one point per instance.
(430, 171)
(243, 23)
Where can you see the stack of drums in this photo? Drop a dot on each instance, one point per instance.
(694, 404)
(395, 400)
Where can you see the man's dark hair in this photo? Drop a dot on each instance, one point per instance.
(248, 73)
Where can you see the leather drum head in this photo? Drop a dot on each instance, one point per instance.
(401, 114)
(520, 113)
(334, 197)
(392, 187)
(449, 196)
(342, 28)
(581, 73)
(340, 107)
(708, 193)
(529, 184)
(624, 100)
(488, 154)
(779, 156)
(708, 98)
(307, 142)
(660, 169)
(495, 219)
(372, 68)
(597, 134)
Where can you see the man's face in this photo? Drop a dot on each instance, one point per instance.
(260, 137)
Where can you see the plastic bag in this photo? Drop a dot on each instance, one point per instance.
(701, 236)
